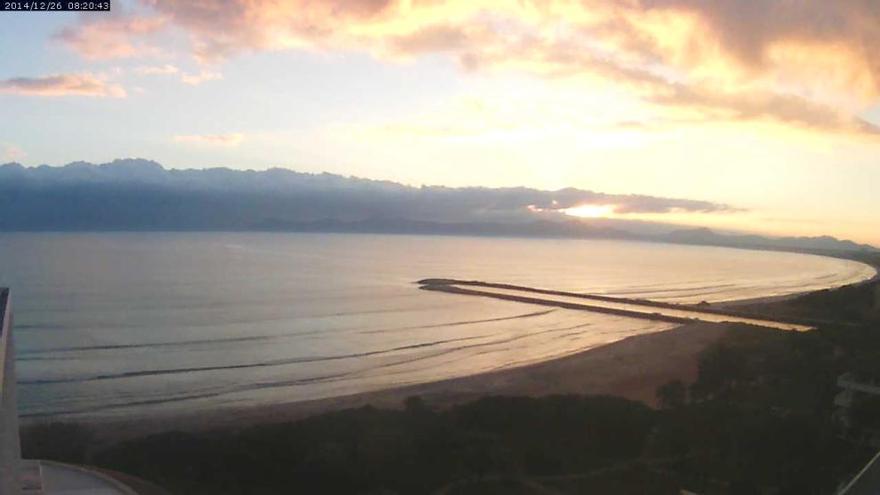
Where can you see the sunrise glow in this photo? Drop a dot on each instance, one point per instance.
(590, 211)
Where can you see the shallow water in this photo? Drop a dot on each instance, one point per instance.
(125, 324)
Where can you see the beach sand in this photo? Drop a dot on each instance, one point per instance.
(632, 368)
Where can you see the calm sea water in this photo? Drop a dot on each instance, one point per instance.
(128, 324)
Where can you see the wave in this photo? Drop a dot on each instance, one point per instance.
(183, 343)
(275, 383)
(459, 323)
(278, 362)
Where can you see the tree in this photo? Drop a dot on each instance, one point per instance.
(672, 395)
(721, 368)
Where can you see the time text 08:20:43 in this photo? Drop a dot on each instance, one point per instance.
(54, 6)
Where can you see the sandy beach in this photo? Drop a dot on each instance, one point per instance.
(632, 368)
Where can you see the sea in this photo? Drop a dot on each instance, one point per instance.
(144, 324)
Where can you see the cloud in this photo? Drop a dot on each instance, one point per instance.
(193, 79)
(199, 78)
(790, 109)
(806, 63)
(219, 30)
(113, 37)
(557, 201)
(157, 70)
(12, 153)
(750, 31)
(573, 57)
(524, 204)
(232, 139)
(83, 84)
(288, 196)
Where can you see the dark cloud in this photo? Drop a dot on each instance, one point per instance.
(61, 85)
(144, 192)
(746, 28)
(790, 109)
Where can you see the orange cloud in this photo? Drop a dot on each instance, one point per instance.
(748, 30)
(817, 49)
(62, 85)
(728, 59)
(572, 57)
(233, 139)
(115, 37)
(222, 29)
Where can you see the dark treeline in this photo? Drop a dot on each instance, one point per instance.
(367, 450)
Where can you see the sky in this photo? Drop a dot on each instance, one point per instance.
(769, 108)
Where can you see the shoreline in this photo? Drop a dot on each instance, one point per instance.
(631, 368)
(733, 303)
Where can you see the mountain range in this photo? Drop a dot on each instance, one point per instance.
(141, 195)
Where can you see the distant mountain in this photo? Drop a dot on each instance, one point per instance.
(704, 236)
(135, 194)
(141, 195)
(535, 228)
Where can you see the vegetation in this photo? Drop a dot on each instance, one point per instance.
(64, 442)
(760, 418)
(672, 395)
(759, 415)
(374, 451)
